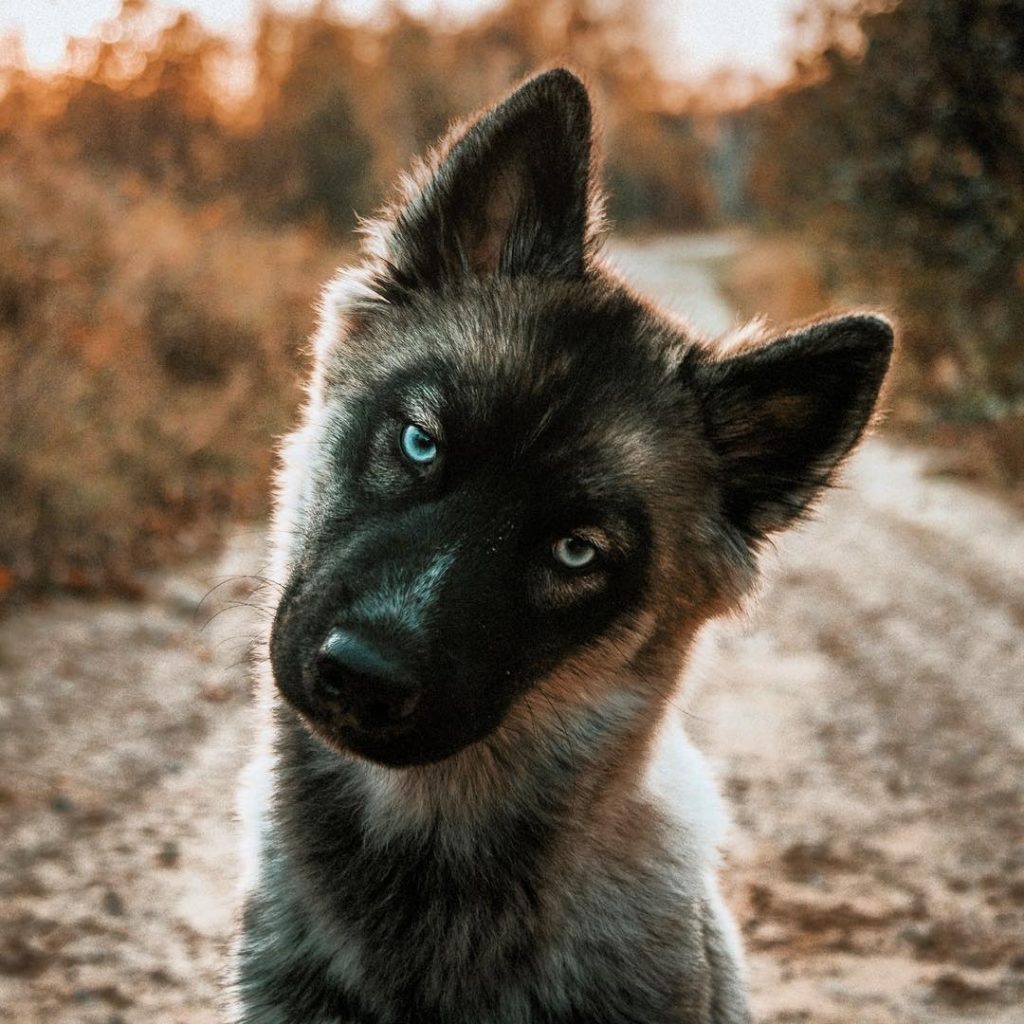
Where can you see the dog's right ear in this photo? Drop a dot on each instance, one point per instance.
(511, 195)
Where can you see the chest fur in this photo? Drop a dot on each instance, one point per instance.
(415, 941)
(524, 923)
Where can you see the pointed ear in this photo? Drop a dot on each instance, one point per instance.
(511, 195)
(782, 417)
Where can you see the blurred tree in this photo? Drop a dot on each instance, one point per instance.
(902, 140)
(149, 108)
(336, 157)
(315, 157)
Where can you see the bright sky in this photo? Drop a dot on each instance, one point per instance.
(699, 35)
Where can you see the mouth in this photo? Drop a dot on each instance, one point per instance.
(415, 740)
(398, 746)
(364, 698)
(336, 726)
(339, 720)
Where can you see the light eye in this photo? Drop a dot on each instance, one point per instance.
(417, 445)
(573, 552)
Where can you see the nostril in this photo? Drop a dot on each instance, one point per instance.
(364, 682)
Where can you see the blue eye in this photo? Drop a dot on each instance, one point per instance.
(573, 552)
(417, 445)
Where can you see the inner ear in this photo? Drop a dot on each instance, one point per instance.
(489, 235)
(509, 194)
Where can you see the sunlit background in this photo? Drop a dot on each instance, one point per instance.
(693, 39)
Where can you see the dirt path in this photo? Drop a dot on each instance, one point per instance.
(867, 719)
(122, 730)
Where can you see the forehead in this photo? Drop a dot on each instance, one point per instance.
(518, 361)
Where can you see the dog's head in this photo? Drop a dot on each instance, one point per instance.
(517, 477)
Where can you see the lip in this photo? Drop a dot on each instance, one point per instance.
(389, 746)
(323, 714)
(404, 745)
(391, 749)
(355, 736)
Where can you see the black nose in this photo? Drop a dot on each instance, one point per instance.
(363, 682)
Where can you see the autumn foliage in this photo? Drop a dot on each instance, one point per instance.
(169, 208)
(148, 352)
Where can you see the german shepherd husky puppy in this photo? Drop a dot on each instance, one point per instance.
(517, 492)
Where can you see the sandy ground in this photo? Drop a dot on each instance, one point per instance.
(866, 719)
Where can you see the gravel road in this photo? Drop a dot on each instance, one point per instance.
(866, 718)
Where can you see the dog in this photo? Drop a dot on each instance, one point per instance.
(517, 492)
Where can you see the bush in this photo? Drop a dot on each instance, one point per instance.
(148, 354)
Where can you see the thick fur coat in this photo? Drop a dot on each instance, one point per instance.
(517, 493)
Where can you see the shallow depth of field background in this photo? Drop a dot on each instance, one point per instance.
(171, 202)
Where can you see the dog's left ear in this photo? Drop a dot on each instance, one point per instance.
(782, 417)
(511, 196)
